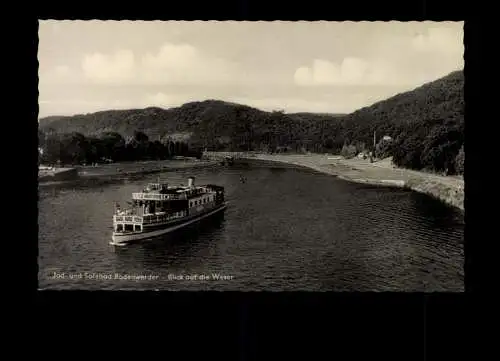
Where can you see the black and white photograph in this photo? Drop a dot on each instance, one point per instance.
(251, 156)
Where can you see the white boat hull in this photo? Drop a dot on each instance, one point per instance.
(122, 239)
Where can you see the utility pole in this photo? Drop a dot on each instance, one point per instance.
(374, 146)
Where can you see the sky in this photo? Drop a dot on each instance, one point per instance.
(323, 67)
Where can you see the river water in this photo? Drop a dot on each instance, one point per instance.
(285, 229)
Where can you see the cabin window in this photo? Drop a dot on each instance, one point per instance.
(137, 228)
(119, 227)
(129, 227)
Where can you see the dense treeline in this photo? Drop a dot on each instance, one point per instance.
(75, 148)
(426, 127)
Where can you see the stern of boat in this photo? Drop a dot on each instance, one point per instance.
(126, 228)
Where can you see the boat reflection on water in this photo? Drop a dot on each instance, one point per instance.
(173, 248)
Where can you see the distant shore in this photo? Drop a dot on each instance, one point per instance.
(448, 189)
(140, 167)
(47, 174)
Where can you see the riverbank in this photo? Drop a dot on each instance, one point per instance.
(52, 174)
(144, 167)
(448, 189)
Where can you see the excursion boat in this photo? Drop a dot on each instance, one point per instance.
(160, 209)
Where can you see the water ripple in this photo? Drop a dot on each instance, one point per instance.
(286, 229)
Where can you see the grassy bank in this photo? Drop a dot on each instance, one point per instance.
(449, 190)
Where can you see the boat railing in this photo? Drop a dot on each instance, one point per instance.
(157, 196)
(159, 218)
(146, 219)
(132, 219)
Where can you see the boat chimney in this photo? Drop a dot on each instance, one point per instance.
(191, 182)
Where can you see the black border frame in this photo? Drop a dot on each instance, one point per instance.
(251, 322)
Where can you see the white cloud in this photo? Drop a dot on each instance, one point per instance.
(303, 76)
(114, 68)
(61, 71)
(167, 63)
(296, 104)
(439, 40)
(172, 56)
(408, 61)
(59, 74)
(441, 46)
(324, 72)
(171, 64)
(163, 100)
(351, 71)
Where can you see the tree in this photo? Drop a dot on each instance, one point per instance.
(41, 138)
(113, 144)
(52, 149)
(140, 137)
(441, 147)
(425, 123)
(383, 149)
(460, 161)
(407, 151)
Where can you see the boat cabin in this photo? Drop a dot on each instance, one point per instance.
(159, 203)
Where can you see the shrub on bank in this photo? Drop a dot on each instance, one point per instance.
(459, 161)
(349, 151)
(383, 149)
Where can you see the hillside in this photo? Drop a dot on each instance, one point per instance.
(426, 125)
(434, 103)
(212, 123)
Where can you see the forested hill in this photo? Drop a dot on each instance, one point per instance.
(426, 125)
(436, 103)
(212, 123)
